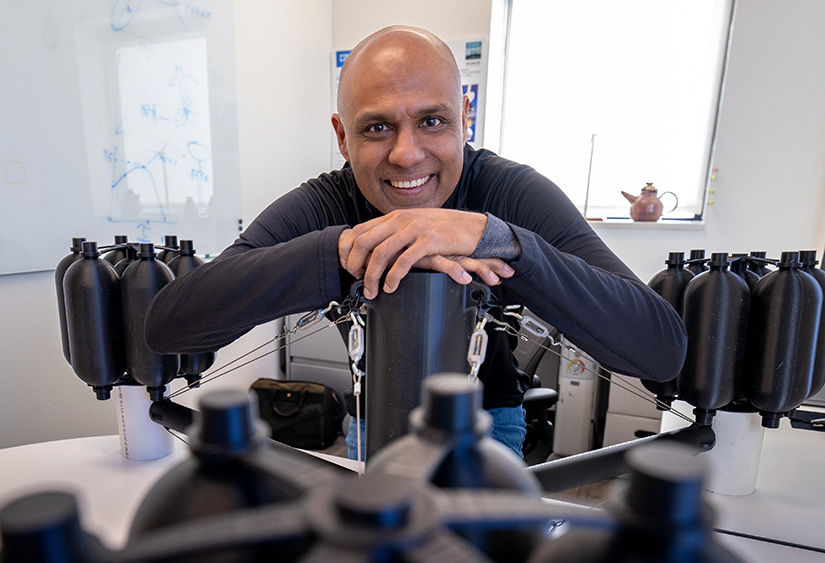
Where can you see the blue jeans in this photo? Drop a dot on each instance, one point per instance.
(508, 428)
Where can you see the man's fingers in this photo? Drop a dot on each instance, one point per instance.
(435, 263)
(374, 248)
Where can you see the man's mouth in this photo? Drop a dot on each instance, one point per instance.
(407, 185)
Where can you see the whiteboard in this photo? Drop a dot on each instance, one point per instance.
(118, 117)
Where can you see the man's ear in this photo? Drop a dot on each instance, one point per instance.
(340, 134)
(465, 112)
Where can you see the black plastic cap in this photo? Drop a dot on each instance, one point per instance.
(808, 258)
(103, 392)
(156, 393)
(42, 527)
(675, 259)
(90, 249)
(704, 417)
(187, 248)
(170, 241)
(121, 239)
(77, 244)
(146, 250)
(770, 419)
(666, 485)
(789, 259)
(697, 254)
(450, 402)
(227, 424)
(719, 260)
(193, 380)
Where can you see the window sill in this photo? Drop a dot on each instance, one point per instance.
(662, 224)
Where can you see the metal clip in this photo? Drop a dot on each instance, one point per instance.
(355, 344)
(534, 327)
(310, 319)
(477, 350)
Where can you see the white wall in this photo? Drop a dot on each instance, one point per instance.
(769, 192)
(456, 19)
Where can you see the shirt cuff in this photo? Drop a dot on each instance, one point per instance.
(497, 241)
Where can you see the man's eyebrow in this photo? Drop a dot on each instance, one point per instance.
(381, 117)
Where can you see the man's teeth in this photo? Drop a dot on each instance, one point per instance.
(407, 185)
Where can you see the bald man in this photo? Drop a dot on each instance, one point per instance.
(414, 194)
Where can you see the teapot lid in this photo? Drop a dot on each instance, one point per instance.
(649, 187)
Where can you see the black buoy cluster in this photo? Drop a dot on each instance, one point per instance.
(102, 301)
(238, 499)
(754, 325)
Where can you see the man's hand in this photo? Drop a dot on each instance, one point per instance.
(434, 239)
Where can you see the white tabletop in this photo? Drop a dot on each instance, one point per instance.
(108, 487)
(788, 504)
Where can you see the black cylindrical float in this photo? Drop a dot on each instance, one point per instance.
(59, 272)
(129, 256)
(715, 312)
(94, 322)
(759, 265)
(739, 266)
(45, 527)
(118, 252)
(670, 283)
(422, 328)
(809, 262)
(696, 261)
(171, 251)
(140, 283)
(451, 416)
(191, 365)
(786, 307)
(661, 513)
(228, 471)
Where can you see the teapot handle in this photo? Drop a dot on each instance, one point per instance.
(674, 206)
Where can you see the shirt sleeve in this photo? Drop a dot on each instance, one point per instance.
(497, 241)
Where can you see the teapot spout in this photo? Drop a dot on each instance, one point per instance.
(629, 197)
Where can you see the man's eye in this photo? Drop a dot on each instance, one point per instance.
(432, 122)
(376, 128)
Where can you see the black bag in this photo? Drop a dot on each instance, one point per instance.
(301, 414)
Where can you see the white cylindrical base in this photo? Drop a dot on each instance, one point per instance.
(141, 439)
(733, 462)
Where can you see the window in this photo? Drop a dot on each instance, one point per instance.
(604, 96)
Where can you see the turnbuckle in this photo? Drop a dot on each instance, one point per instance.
(477, 350)
(355, 347)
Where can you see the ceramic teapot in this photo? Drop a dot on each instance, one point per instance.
(648, 206)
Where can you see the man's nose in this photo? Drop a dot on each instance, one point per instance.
(406, 150)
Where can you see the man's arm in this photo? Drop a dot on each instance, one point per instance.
(286, 261)
(614, 317)
(218, 302)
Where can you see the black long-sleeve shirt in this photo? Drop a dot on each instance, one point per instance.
(287, 262)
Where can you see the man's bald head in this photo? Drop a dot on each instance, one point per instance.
(401, 121)
(395, 47)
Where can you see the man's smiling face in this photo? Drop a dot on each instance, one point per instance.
(402, 121)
